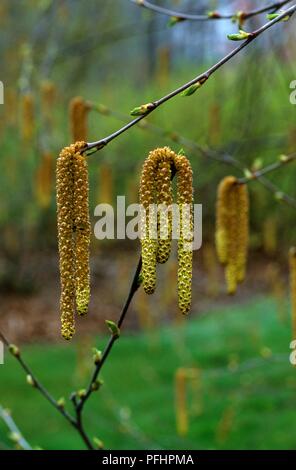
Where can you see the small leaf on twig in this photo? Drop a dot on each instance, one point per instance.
(113, 328)
(239, 36)
(273, 16)
(143, 109)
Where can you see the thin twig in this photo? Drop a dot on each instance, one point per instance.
(133, 289)
(15, 351)
(211, 15)
(212, 154)
(15, 434)
(200, 79)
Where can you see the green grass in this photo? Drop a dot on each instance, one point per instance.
(253, 395)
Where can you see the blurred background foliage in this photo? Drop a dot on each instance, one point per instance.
(116, 54)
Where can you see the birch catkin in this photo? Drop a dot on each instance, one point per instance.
(292, 259)
(165, 200)
(28, 117)
(78, 111)
(232, 230)
(149, 244)
(82, 233)
(156, 192)
(184, 199)
(73, 234)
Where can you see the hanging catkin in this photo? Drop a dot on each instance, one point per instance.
(232, 230)
(149, 243)
(292, 258)
(82, 234)
(44, 180)
(27, 117)
(156, 191)
(78, 111)
(185, 200)
(73, 234)
(165, 200)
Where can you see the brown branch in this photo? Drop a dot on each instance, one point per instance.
(211, 154)
(133, 289)
(145, 110)
(15, 352)
(211, 15)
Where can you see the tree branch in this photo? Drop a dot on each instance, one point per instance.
(145, 110)
(15, 434)
(33, 381)
(212, 154)
(211, 15)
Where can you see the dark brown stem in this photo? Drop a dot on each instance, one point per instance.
(133, 289)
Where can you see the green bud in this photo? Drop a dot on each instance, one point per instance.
(190, 90)
(98, 443)
(81, 393)
(273, 16)
(103, 109)
(96, 385)
(15, 437)
(113, 328)
(279, 196)
(97, 357)
(30, 380)
(239, 36)
(61, 403)
(174, 20)
(248, 174)
(284, 158)
(213, 14)
(257, 164)
(14, 350)
(143, 109)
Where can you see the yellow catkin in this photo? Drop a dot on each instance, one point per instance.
(164, 197)
(181, 405)
(292, 259)
(105, 192)
(242, 221)
(44, 180)
(78, 111)
(269, 235)
(156, 189)
(27, 117)
(82, 233)
(185, 203)
(149, 244)
(66, 195)
(48, 97)
(222, 217)
(232, 230)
